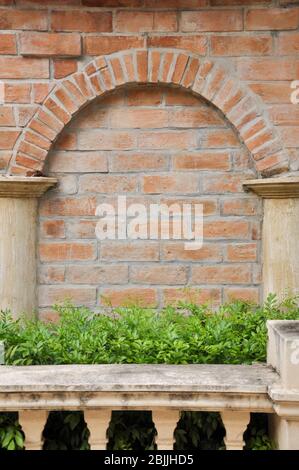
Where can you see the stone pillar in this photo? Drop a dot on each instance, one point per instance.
(165, 422)
(98, 423)
(18, 216)
(235, 423)
(33, 423)
(280, 251)
(283, 355)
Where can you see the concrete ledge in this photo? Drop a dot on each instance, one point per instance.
(188, 387)
(25, 187)
(135, 378)
(274, 188)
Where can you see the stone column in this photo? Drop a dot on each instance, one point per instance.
(165, 422)
(235, 423)
(33, 423)
(18, 216)
(283, 355)
(280, 251)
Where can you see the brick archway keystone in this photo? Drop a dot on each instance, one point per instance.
(202, 77)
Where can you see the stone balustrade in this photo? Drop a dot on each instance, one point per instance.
(233, 390)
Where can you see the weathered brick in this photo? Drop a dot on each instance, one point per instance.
(69, 104)
(235, 229)
(144, 96)
(194, 43)
(289, 135)
(106, 140)
(241, 45)
(107, 183)
(50, 295)
(288, 43)
(192, 295)
(17, 92)
(51, 274)
(179, 69)
(129, 296)
(219, 138)
(190, 74)
(209, 205)
(8, 139)
(41, 91)
(138, 118)
(4, 159)
(23, 67)
(67, 251)
(129, 251)
(134, 162)
(52, 229)
(67, 141)
(8, 44)
(272, 92)
(7, 118)
(159, 274)
(77, 162)
(241, 252)
(37, 140)
(97, 45)
(202, 161)
(175, 251)
(112, 3)
(63, 68)
(213, 20)
(284, 114)
(224, 183)
(175, 3)
(23, 19)
(80, 229)
(177, 97)
(68, 206)
(159, 140)
(82, 21)
(272, 19)
(49, 2)
(248, 294)
(238, 2)
(156, 58)
(258, 69)
(222, 274)
(50, 44)
(89, 274)
(170, 183)
(140, 21)
(240, 207)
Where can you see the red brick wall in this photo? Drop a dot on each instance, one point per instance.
(154, 144)
(41, 42)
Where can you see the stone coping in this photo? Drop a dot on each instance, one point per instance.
(289, 329)
(274, 188)
(25, 186)
(217, 378)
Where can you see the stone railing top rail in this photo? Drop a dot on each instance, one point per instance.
(220, 378)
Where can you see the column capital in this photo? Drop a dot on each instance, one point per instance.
(274, 188)
(25, 186)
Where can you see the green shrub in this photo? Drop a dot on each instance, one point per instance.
(186, 334)
(182, 334)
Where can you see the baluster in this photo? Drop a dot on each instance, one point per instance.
(165, 423)
(33, 423)
(98, 423)
(235, 423)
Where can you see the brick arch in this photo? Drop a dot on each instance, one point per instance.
(202, 77)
